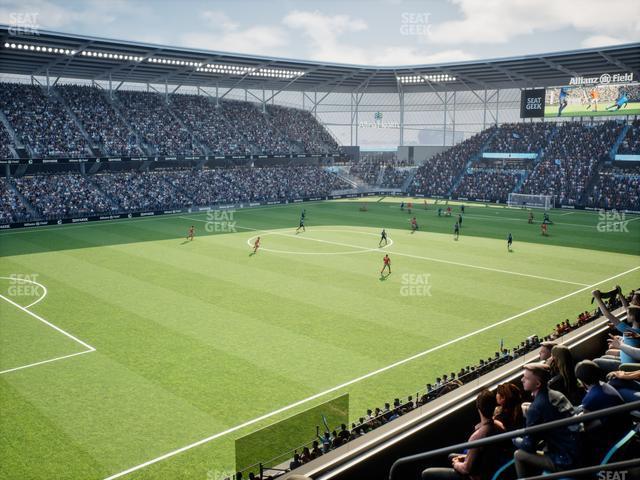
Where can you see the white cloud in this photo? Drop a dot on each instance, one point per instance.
(218, 19)
(601, 41)
(324, 33)
(49, 15)
(498, 21)
(259, 40)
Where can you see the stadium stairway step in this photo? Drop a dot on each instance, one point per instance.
(96, 151)
(115, 104)
(343, 174)
(12, 133)
(32, 210)
(595, 174)
(618, 142)
(521, 180)
(380, 177)
(407, 181)
(298, 145)
(460, 176)
(195, 138)
(179, 189)
(114, 203)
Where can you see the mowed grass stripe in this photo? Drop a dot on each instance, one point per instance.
(155, 385)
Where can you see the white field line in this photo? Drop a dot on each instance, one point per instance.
(44, 289)
(88, 347)
(356, 380)
(46, 361)
(431, 259)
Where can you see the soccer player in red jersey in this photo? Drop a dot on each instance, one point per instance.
(387, 264)
(256, 245)
(191, 233)
(409, 207)
(414, 224)
(543, 227)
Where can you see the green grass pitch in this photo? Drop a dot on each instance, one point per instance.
(580, 110)
(193, 340)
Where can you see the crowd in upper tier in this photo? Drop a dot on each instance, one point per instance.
(79, 121)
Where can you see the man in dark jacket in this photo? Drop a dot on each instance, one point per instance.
(559, 446)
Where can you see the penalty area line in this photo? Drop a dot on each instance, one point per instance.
(355, 380)
(88, 347)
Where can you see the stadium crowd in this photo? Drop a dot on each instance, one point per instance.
(13, 208)
(366, 171)
(209, 125)
(571, 159)
(437, 176)
(488, 184)
(156, 126)
(68, 195)
(302, 127)
(631, 142)
(226, 186)
(60, 196)
(41, 122)
(520, 137)
(5, 143)
(105, 128)
(616, 188)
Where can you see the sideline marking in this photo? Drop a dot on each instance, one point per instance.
(355, 380)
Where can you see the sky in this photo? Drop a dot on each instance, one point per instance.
(382, 32)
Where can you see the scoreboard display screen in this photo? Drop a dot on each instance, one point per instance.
(592, 100)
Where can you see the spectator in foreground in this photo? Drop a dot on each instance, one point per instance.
(630, 329)
(604, 432)
(565, 381)
(560, 444)
(509, 410)
(545, 350)
(477, 463)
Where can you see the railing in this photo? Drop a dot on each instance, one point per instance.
(495, 439)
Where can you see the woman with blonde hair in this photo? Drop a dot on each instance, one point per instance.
(564, 379)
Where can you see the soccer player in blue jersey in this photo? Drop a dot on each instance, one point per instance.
(621, 101)
(562, 100)
(509, 241)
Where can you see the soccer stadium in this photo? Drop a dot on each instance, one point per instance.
(265, 250)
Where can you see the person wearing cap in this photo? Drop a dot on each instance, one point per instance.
(560, 444)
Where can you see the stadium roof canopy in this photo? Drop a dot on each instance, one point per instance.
(43, 53)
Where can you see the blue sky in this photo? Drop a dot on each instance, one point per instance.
(383, 32)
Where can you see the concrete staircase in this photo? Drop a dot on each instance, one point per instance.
(32, 210)
(195, 138)
(96, 151)
(618, 142)
(117, 108)
(407, 181)
(114, 203)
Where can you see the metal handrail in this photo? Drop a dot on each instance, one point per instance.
(515, 433)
